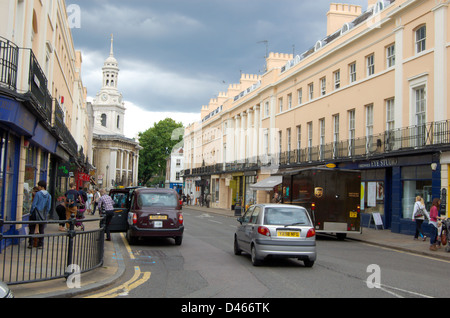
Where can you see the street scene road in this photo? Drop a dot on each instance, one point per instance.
(204, 266)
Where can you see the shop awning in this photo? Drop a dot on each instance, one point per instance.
(267, 184)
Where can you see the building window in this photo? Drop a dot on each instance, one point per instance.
(177, 176)
(416, 180)
(103, 120)
(178, 163)
(370, 65)
(390, 121)
(352, 72)
(322, 138)
(351, 132)
(337, 79)
(421, 35)
(390, 55)
(299, 96)
(118, 122)
(323, 86)
(421, 118)
(288, 135)
(335, 135)
(280, 104)
(369, 127)
(310, 140)
(311, 91)
(266, 109)
(280, 141)
(289, 101)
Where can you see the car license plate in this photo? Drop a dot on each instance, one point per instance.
(288, 233)
(158, 217)
(353, 214)
(157, 223)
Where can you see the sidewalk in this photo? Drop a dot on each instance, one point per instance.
(113, 265)
(111, 270)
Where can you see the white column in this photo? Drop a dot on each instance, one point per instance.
(256, 135)
(398, 104)
(237, 134)
(440, 61)
(249, 134)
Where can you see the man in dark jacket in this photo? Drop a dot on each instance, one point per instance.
(39, 210)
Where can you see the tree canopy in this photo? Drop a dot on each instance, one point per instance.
(158, 142)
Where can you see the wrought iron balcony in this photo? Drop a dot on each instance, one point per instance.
(434, 136)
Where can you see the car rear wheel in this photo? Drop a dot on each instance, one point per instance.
(237, 250)
(130, 238)
(308, 263)
(256, 261)
(178, 240)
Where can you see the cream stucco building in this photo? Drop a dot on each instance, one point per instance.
(370, 95)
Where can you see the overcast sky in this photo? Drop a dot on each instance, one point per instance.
(175, 55)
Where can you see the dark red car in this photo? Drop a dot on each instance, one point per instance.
(155, 213)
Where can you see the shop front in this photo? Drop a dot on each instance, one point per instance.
(389, 187)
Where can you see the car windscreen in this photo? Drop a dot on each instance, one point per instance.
(286, 216)
(157, 199)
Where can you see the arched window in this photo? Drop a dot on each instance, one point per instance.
(118, 122)
(104, 120)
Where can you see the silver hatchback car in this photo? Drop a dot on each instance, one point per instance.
(276, 230)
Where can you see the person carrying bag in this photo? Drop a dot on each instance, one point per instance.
(419, 214)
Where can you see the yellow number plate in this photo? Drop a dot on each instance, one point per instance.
(353, 214)
(158, 217)
(288, 234)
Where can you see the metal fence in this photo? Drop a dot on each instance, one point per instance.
(61, 255)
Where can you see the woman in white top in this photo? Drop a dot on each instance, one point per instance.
(419, 214)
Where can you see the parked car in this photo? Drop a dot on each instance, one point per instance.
(276, 230)
(155, 213)
(5, 292)
(122, 199)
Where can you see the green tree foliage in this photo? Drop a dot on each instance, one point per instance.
(158, 142)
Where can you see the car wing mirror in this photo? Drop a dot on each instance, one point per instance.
(239, 219)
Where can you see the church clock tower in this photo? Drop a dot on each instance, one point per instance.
(108, 106)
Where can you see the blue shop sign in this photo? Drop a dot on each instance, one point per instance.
(43, 138)
(16, 116)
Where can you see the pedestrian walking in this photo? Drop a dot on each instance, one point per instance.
(106, 202)
(419, 214)
(61, 212)
(90, 198)
(72, 199)
(96, 198)
(40, 207)
(434, 216)
(208, 200)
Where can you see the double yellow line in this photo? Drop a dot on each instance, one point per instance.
(131, 284)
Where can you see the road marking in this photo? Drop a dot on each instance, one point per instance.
(124, 289)
(215, 221)
(127, 246)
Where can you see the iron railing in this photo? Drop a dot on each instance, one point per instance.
(62, 253)
(430, 136)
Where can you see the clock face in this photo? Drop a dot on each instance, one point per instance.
(104, 97)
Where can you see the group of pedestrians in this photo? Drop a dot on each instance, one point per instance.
(74, 202)
(420, 213)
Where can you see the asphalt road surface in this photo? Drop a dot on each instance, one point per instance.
(204, 266)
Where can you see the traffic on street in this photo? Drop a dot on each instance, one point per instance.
(206, 267)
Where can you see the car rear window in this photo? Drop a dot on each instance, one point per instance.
(157, 199)
(285, 216)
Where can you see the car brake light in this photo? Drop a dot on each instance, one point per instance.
(358, 209)
(311, 233)
(263, 231)
(180, 218)
(134, 218)
(313, 206)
